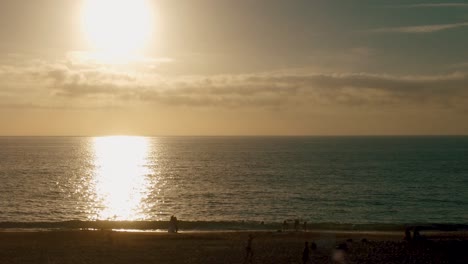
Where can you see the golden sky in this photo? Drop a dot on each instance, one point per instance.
(219, 67)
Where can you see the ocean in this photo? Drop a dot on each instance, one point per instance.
(233, 182)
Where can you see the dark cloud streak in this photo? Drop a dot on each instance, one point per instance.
(276, 89)
(98, 87)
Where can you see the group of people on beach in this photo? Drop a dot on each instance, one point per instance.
(306, 251)
(249, 253)
(174, 226)
(296, 225)
(416, 234)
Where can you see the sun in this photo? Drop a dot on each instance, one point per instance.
(117, 28)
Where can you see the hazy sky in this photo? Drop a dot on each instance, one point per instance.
(231, 67)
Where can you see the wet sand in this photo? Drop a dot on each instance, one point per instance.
(225, 247)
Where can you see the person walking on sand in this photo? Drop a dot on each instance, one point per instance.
(249, 251)
(305, 253)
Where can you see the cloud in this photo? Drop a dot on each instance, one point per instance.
(63, 85)
(92, 59)
(458, 65)
(419, 29)
(435, 5)
(273, 89)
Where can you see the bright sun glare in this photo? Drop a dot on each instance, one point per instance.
(117, 28)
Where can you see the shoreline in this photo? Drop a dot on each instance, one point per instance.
(226, 225)
(382, 234)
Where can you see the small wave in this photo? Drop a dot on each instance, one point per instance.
(212, 226)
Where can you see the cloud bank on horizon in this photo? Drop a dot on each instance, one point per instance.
(99, 86)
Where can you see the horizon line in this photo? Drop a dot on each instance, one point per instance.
(253, 135)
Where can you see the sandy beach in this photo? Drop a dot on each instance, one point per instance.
(225, 247)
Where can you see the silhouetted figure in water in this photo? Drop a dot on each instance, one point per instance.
(305, 253)
(296, 225)
(249, 251)
(173, 226)
(305, 226)
(176, 224)
(285, 225)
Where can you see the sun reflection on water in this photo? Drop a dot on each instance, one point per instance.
(121, 177)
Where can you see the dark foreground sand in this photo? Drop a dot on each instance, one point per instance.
(218, 247)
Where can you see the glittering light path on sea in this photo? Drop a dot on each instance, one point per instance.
(120, 177)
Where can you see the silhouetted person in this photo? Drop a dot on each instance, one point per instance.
(342, 246)
(416, 234)
(296, 225)
(305, 226)
(172, 225)
(407, 235)
(285, 225)
(305, 253)
(313, 246)
(249, 250)
(176, 224)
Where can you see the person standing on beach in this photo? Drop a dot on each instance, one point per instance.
(407, 234)
(249, 250)
(296, 225)
(305, 253)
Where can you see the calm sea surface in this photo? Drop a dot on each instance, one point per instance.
(356, 180)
